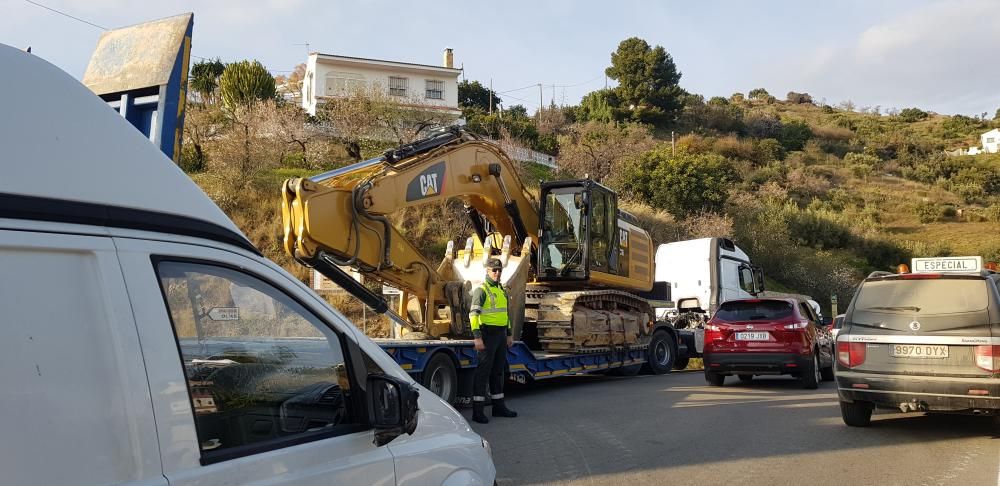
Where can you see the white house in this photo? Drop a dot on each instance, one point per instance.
(420, 85)
(990, 141)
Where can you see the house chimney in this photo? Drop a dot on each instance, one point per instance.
(449, 58)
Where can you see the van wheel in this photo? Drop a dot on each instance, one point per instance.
(714, 379)
(856, 414)
(440, 377)
(746, 378)
(660, 354)
(681, 363)
(810, 376)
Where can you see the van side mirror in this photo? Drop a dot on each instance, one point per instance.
(392, 407)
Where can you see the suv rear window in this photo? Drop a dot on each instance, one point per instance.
(758, 310)
(938, 304)
(924, 296)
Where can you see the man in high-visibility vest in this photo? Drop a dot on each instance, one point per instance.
(491, 330)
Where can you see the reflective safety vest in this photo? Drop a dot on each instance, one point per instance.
(493, 309)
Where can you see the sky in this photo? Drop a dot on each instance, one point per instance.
(940, 56)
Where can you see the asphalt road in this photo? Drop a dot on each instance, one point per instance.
(675, 429)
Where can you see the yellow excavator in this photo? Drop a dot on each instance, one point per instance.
(579, 270)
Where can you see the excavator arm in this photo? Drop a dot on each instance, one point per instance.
(340, 217)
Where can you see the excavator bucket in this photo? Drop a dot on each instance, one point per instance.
(468, 266)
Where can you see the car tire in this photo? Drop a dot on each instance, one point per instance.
(714, 379)
(681, 363)
(827, 373)
(746, 378)
(856, 414)
(440, 377)
(810, 374)
(661, 353)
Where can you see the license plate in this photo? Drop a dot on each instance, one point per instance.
(918, 351)
(753, 336)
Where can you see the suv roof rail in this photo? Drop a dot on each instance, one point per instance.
(879, 273)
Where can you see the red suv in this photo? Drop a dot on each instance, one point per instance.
(750, 337)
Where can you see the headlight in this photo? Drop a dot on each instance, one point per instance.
(486, 445)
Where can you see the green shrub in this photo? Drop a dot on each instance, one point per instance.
(912, 114)
(992, 213)
(768, 150)
(795, 134)
(192, 161)
(948, 211)
(927, 212)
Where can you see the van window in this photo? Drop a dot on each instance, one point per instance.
(754, 310)
(262, 370)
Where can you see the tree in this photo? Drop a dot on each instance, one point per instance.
(737, 98)
(244, 83)
(293, 82)
(601, 106)
(997, 115)
(912, 115)
(368, 121)
(647, 81)
(681, 183)
(799, 98)
(794, 135)
(205, 78)
(759, 94)
(600, 149)
(516, 111)
(472, 94)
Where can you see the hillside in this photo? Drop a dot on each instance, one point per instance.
(820, 196)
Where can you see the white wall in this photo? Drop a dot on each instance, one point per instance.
(326, 78)
(991, 141)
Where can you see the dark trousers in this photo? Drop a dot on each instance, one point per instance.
(492, 364)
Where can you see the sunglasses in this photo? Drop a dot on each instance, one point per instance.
(494, 270)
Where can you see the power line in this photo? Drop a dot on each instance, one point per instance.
(78, 19)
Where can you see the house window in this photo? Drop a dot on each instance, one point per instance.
(990, 140)
(343, 84)
(434, 90)
(397, 86)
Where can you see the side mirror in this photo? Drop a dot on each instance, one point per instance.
(758, 280)
(392, 407)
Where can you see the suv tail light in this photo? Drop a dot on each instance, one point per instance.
(797, 325)
(851, 354)
(988, 358)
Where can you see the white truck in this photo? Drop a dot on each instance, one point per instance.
(702, 274)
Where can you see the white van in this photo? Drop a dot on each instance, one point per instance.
(144, 340)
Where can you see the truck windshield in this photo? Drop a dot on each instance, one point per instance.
(755, 310)
(563, 242)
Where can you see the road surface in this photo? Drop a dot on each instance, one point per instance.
(675, 429)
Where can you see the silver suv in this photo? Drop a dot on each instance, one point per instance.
(922, 341)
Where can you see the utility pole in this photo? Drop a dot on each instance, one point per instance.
(491, 96)
(671, 142)
(541, 103)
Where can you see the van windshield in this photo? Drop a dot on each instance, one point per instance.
(757, 310)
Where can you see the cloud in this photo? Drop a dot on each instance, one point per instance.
(941, 57)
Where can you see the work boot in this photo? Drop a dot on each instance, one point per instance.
(501, 410)
(477, 413)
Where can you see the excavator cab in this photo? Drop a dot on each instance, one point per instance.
(579, 231)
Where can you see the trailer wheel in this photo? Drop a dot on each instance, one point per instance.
(440, 377)
(660, 355)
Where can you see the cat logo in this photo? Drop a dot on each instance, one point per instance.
(428, 183)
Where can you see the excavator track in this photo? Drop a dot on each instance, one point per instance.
(587, 320)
